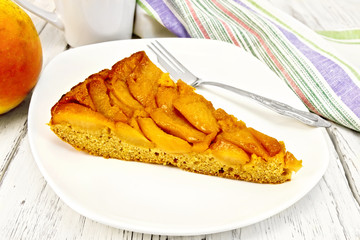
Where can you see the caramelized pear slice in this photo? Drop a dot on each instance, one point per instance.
(143, 82)
(78, 115)
(98, 93)
(121, 70)
(166, 81)
(197, 113)
(271, 145)
(121, 91)
(161, 139)
(245, 140)
(228, 122)
(291, 162)
(165, 97)
(131, 135)
(137, 114)
(114, 101)
(176, 125)
(229, 153)
(79, 93)
(204, 145)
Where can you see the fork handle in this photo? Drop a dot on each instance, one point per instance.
(279, 107)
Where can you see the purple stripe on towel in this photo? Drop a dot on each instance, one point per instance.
(168, 18)
(335, 76)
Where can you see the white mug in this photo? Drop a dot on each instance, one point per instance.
(89, 21)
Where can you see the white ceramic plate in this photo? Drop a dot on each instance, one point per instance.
(164, 200)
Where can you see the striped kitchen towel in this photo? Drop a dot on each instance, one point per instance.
(328, 85)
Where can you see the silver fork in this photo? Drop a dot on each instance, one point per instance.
(178, 71)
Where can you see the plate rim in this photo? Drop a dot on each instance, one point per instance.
(130, 227)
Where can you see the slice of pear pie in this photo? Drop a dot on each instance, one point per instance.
(135, 112)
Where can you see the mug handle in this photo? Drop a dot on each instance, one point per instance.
(51, 17)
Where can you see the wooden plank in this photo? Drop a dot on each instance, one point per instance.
(322, 14)
(12, 131)
(31, 210)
